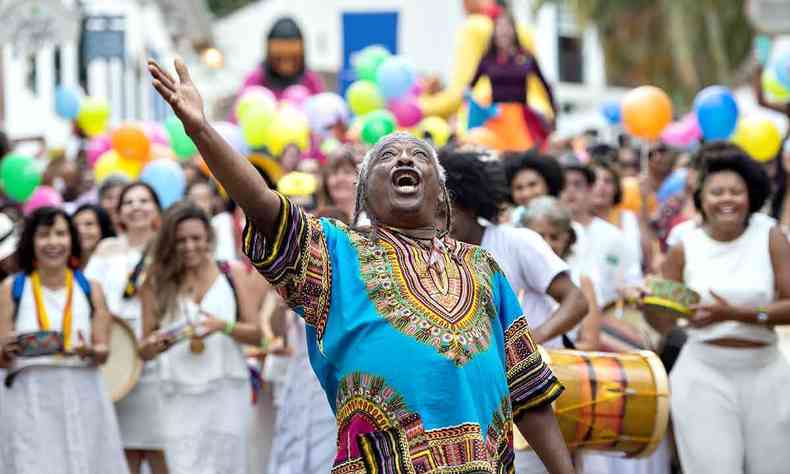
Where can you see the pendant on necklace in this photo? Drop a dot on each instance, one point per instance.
(196, 345)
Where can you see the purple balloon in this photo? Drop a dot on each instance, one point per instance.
(96, 148)
(324, 111)
(296, 94)
(406, 110)
(233, 135)
(42, 196)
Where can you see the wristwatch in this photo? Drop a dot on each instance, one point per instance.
(762, 316)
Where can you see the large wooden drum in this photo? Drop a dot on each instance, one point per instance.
(617, 403)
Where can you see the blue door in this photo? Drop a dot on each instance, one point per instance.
(365, 29)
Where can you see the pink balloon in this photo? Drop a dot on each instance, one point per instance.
(42, 196)
(406, 110)
(296, 94)
(96, 148)
(682, 133)
(693, 126)
(156, 133)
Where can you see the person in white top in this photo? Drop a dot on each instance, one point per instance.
(729, 407)
(477, 189)
(540, 278)
(204, 376)
(607, 195)
(57, 415)
(119, 263)
(600, 247)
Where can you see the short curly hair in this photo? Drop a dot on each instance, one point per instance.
(474, 183)
(718, 157)
(545, 165)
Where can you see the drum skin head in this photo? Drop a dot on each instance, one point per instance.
(124, 367)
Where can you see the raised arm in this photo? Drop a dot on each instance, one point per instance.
(236, 174)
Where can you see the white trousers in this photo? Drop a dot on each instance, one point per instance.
(731, 409)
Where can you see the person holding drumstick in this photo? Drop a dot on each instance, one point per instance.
(729, 407)
(120, 263)
(58, 417)
(394, 309)
(204, 378)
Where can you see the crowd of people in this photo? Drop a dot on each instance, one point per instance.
(389, 308)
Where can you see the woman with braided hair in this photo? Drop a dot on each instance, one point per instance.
(417, 339)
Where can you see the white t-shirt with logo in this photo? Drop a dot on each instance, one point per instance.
(601, 252)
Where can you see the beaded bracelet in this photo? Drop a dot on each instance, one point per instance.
(229, 327)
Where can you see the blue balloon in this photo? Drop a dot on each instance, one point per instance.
(611, 111)
(395, 77)
(717, 112)
(782, 69)
(67, 103)
(674, 185)
(167, 178)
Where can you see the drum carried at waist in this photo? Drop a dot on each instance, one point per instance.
(124, 367)
(617, 403)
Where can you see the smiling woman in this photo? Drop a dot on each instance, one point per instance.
(730, 365)
(57, 389)
(393, 310)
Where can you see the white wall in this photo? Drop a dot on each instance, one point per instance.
(29, 114)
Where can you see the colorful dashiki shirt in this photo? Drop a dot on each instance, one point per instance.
(424, 371)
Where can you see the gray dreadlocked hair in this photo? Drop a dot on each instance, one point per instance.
(362, 181)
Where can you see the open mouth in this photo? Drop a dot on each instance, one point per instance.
(406, 180)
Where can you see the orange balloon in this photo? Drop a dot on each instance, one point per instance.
(131, 142)
(646, 111)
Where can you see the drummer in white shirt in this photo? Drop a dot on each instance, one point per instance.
(600, 246)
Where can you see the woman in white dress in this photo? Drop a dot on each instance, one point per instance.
(205, 380)
(119, 263)
(57, 415)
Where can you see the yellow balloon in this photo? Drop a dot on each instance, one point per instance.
(759, 137)
(110, 162)
(94, 115)
(290, 126)
(438, 129)
(773, 88)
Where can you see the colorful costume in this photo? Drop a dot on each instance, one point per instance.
(424, 368)
(516, 85)
(285, 63)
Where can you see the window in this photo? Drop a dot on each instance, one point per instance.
(31, 80)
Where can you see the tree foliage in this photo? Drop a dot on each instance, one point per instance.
(678, 45)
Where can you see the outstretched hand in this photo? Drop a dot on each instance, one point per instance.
(181, 94)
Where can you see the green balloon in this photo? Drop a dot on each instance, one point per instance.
(19, 176)
(377, 124)
(368, 61)
(183, 146)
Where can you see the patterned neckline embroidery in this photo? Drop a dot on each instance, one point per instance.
(449, 310)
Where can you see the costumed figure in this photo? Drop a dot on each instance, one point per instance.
(497, 58)
(284, 64)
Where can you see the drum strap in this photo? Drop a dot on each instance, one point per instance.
(18, 287)
(224, 267)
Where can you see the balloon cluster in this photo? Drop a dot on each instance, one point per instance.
(646, 112)
(145, 151)
(91, 113)
(384, 98)
(265, 123)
